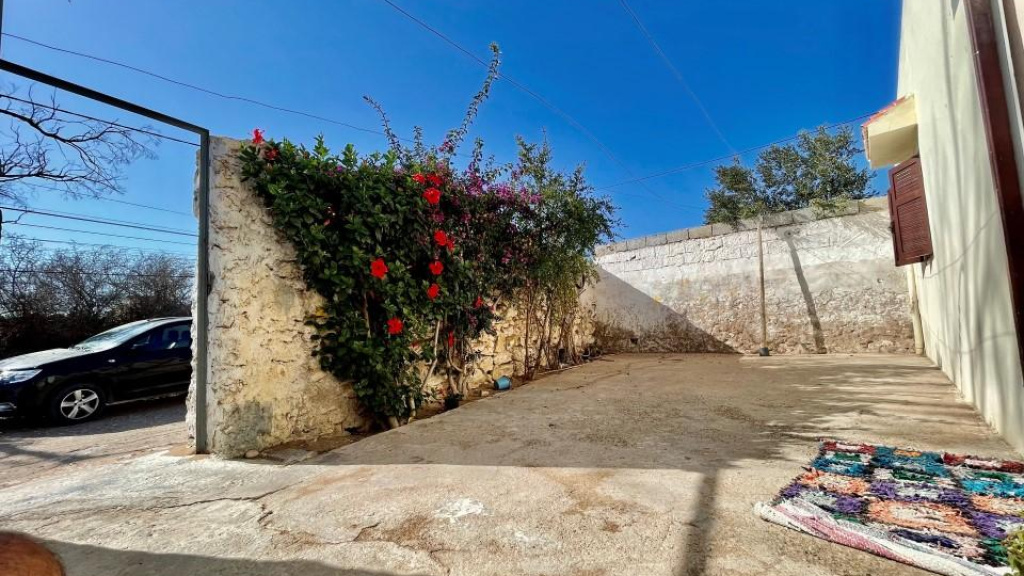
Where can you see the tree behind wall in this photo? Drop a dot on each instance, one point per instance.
(818, 171)
(55, 299)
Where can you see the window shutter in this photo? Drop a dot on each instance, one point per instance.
(911, 237)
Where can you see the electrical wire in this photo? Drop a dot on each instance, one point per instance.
(118, 247)
(108, 199)
(86, 273)
(194, 86)
(122, 223)
(96, 245)
(675, 72)
(546, 103)
(95, 119)
(94, 233)
(526, 90)
(693, 165)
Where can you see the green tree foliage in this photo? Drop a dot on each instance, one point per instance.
(412, 255)
(818, 171)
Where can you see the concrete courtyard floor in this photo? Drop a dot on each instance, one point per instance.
(642, 465)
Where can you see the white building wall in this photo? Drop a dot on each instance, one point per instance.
(964, 291)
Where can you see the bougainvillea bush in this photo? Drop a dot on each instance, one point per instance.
(412, 253)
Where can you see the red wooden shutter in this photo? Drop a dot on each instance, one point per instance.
(911, 238)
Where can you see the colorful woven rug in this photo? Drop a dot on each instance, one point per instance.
(946, 513)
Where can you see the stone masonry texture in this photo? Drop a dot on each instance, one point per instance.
(265, 387)
(831, 286)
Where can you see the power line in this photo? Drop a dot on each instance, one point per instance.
(107, 199)
(526, 90)
(87, 273)
(572, 121)
(94, 233)
(96, 245)
(675, 72)
(693, 165)
(519, 85)
(95, 119)
(195, 87)
(121, 223)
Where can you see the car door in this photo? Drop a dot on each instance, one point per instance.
(156, 362)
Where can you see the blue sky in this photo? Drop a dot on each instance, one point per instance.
(763, 71)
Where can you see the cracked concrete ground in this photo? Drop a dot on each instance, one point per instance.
(642, 465)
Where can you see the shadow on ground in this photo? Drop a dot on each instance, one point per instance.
(112, 562)
(632, 464)
(743, 426)
(29, 448)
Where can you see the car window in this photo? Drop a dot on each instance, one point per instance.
(113, 337)
(173, 337)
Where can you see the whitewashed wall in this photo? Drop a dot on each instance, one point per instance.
(831, 286)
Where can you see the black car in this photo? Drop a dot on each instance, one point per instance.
(138, 360)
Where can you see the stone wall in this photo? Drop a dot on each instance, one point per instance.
(265, 387)
(831, 286)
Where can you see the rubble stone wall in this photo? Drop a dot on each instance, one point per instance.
(831, 286)
(265, 387)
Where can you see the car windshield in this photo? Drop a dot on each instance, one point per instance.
(114, 336)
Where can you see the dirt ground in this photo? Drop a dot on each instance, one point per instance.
(642, 465)
(29, 451)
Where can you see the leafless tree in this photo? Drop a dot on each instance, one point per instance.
(82, 156)
(50, 299)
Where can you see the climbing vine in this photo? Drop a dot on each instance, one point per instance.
(411, 255)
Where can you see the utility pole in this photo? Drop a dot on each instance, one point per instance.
(760, 269)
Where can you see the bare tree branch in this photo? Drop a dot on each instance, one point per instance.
(40, 141)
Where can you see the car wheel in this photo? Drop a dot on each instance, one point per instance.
(77, 403)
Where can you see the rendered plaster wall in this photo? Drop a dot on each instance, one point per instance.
(964, 290)
(264, 387)
(831, 286)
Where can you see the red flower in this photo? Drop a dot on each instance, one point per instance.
(433, 291)
(434, 179)
(436, 267)
(441, 238)
(479, 302)
(419, 178)
(378, 268)
(395, 326)
(257, 136)
(450, 245)
(433, 195)
(451, 339)
(270, 154)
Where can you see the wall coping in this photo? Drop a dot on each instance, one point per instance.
(777, 220)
